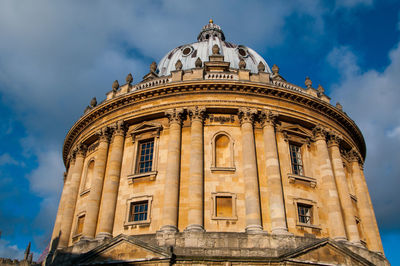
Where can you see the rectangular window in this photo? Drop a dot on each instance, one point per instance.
(79, 227)
(138, 211)
(224, 206)
(297, 162)
(305, 213)
(145, 160)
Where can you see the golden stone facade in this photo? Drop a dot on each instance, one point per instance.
(218, 161)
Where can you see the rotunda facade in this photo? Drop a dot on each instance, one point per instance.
(214, 158)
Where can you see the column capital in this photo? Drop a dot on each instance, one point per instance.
(319, 132)
(197, 113)
(175, 115)
(354, 156)
(334, 138)
(119, 129)
(80, 150)
(104, 134)
(268, 117)
(247, 115)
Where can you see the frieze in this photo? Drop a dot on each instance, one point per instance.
(257, 90)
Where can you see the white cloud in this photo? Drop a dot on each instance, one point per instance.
(352, 3)
(6, 158)
(371, 99)
(10, 251)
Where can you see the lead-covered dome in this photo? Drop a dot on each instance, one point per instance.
(210, 35)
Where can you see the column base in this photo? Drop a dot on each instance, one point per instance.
(254, 229)
(356, 243)
(85, 238)
(280, 231)
(340, 239)
(168, 229)
(194, 228)
(103, 236)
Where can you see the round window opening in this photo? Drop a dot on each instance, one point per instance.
(242, 51)
(187, 50)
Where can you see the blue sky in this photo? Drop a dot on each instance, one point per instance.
(54, 57)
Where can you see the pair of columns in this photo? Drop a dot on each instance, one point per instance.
(342, 222)
(65, 215)
(196, 190)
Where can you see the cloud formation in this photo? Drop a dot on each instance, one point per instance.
(371, 99)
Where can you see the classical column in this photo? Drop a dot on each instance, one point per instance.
(364, 208)
(196, 179)
(111, 183)
(378, 236)
(71, 195)
(273, 174)
(96, 187)
(57, 223)
(327, 183)
(252, 194)
(343, 189)
(171, 195)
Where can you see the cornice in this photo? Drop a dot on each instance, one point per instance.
(214, 86)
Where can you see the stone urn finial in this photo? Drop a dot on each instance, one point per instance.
(308, 82)
(320, 89)
(153, 67)
(115, 85)
(129, 79)
(93, 102)
(261, 67)
(198, 62)
(339, 106)
(242, 64)
(178, 65)
(215, 49)
(275, 69)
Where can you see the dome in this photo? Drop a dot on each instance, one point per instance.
(210, 35)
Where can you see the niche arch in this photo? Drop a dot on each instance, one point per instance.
(223, 155)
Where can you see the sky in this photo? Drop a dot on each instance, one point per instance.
(56, 55)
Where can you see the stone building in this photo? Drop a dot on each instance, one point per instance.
(215, 159)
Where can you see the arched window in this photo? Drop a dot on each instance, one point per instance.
(223, 154)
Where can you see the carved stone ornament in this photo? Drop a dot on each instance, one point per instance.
(197, 113)
(129, 79)
(320, 90)
(267, 117)
(103, 134)
(247, 115)
(119, 128)
(198, 62)
(319, 132)
(153, 67)
(261, 67)
(354, 156)
(334, 138)
(178, 65)
(275, 69)
(339, 106)
(242, 64)
(81, 150)
(93, 102)
(115, 86)
(308, 82)
(215, 49)
(175, 115)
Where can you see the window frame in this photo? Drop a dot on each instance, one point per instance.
(292, 163)
(139, 155)
(214, 196)
(76, 235)
(314, 219)
(130, 202)
(142, 132)
(83, 188)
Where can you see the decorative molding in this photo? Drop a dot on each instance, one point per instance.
(267, 117)
(163, 89)
(312, 182)
(175, 115)
(334, 139)
(319, 132)
(197, 113)
(222, 119)
(247, 115)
